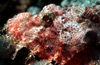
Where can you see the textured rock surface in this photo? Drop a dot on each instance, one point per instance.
(85, 3)
(6, 49)
(55, 34)
(42, 63)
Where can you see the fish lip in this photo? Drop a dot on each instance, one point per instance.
(90, 37)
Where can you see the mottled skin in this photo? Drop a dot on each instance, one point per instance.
(54, 34)
(93, 15)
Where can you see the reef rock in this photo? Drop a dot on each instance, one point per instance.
(6, 49)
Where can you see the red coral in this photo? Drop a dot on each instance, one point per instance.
(54, 34)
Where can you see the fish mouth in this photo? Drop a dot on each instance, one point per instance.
(91, 37)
